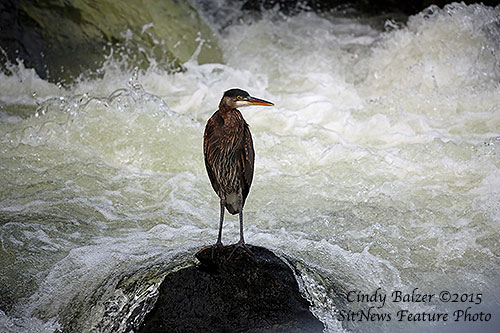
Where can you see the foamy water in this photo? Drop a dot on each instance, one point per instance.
(379, 166)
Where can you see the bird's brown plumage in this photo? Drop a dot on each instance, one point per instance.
(229, 154)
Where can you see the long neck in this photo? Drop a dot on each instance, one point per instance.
(224, 108)
(233, 120)
(226, 105)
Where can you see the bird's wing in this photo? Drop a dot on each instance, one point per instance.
(247, 159)
(208, 151)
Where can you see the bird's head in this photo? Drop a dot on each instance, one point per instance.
(235, 98)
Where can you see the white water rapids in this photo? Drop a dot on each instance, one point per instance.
(379, 166)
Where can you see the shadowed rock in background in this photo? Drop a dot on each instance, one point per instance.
(232, 293)
(362, 6)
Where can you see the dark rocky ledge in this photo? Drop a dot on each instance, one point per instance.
(232, 293)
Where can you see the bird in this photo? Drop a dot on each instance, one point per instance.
(229, 156)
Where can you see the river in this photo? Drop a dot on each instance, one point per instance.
(377, 171)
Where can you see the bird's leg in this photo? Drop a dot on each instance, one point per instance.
(242, 239)
(219, 238)
(218, 245)
(241, 242)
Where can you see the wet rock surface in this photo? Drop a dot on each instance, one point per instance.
(232, 292)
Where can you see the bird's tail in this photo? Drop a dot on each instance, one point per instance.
(232, 203)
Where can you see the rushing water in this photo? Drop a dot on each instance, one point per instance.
(379, 167)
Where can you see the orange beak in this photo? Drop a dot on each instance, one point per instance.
(258, 101)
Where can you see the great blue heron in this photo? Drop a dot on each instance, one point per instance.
(229, 155)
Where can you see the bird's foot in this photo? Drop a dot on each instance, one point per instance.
(240, 245)
(217, 247)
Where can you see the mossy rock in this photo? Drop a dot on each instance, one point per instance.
(63, 38)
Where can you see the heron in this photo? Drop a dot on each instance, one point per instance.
(229, 156)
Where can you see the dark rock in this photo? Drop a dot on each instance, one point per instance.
(232, 292)
(364, 6)
(62, 39)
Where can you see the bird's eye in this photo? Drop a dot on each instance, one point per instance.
(239, 98)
